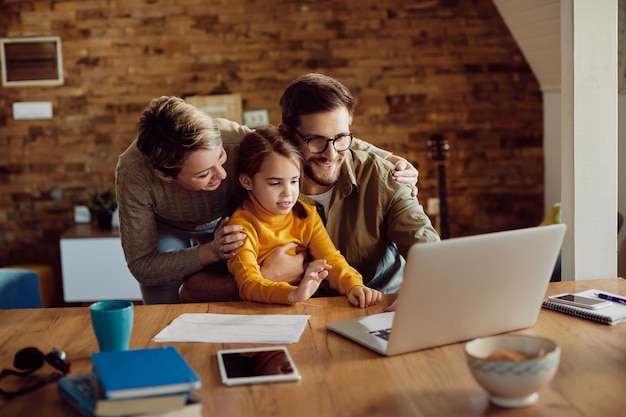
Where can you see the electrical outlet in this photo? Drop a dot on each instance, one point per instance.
(254, 118)
(32, 110)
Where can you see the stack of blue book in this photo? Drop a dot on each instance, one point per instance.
(141, 382)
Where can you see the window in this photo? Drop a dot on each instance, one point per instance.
(31, 61)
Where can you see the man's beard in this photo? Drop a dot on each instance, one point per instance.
(325, 181)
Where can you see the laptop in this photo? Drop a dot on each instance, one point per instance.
(463, 288)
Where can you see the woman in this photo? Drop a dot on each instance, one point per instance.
(173, 184)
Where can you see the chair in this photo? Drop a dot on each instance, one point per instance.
(47, 284)
(19, 288)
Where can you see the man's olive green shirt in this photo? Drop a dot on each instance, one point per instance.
(374, 220)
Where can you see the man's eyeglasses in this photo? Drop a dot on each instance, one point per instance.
(318, 144)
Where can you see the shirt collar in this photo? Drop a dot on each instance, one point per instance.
(347, 180)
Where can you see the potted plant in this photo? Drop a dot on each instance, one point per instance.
(102, 204)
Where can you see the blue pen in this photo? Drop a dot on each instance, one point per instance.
(612, 298)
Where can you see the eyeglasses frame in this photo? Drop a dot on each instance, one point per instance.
(333, 140)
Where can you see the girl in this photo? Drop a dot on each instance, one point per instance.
(271, 216)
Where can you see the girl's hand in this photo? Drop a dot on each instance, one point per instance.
(315, 272)
(361, 296)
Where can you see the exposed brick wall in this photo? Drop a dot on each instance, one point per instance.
(417, 68)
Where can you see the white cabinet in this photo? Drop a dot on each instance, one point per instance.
(93, 266)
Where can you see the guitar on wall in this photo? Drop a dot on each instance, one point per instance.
(438, 149)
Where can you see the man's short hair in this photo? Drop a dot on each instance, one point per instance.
(313, 93)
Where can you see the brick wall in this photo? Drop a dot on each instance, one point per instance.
(417, 68)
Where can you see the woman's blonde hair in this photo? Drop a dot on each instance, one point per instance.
(170, 128)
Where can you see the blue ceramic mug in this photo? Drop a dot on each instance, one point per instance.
(112, 322)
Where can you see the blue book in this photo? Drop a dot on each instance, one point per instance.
(144, 372)
(83, 394)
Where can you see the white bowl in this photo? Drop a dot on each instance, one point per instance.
(513, 383)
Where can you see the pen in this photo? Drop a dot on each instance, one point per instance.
(612, 298)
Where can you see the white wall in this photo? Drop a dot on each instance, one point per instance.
(621, 182)
(552, 148)
(552, 155)
(545, 32)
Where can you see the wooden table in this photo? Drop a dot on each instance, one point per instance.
(339, 377)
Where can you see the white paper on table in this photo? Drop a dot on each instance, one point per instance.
(234, 328)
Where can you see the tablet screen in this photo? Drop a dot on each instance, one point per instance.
(256, 365)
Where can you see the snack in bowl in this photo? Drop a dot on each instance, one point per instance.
(514, 355)
(512, 368)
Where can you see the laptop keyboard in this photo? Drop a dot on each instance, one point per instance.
(383, 333)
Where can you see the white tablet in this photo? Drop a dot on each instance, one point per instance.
(256, 365)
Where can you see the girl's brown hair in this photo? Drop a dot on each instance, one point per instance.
(266, 141)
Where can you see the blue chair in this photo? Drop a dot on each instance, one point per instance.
(19, 288)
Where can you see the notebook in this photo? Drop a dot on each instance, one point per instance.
(82, 392)
(144, 372)
(462, 288)
(614, 314)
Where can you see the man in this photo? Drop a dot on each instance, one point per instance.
(370, 210)
(372, 219)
